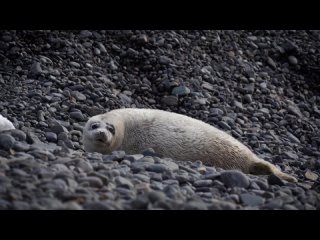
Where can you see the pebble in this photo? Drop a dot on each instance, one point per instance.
(18, 135)
(93, 181)
(203, 183)
(251, 200)
(123, 182)
(271, 63)
(311, 175)
(164, 60)
(180, 91)
(79, 96)
(77, 116)
(51, 137)
(74, 64)
(274, 180)
(170, 100)
(293, 60)
(293, 138)
(6, 141)
(36, 68)
(234, 178)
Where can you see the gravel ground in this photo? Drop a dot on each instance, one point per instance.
(262, 87)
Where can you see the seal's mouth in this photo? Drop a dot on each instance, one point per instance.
(101, 137)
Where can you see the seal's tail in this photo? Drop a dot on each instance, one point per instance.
(265, 168)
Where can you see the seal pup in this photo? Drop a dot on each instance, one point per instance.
(172, 135)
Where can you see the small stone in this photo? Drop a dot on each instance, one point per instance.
(170, 100)
(234, 178)
(79, 96)
(216, 112)
(294, 109)
(96, 51)
(275, 180)
(271, 63)
(311, 175)
(263, 85)
(238, 105)
(156, 196)
(57, 127)
(92, 181)
(36, 68)
(291, 155)
(224, 125)
(85, 166)
(247, 98)
(252, 38)
(293, 60)
(201, 101)
(18, 135)
(115, 156)
(134, 157)
(102, 48)
(274, 204)
(77, 116)
(51, 137)
(158, 168)
(6, 141)
(125, 99)
(74, 64)
(21, 147)
(85, 33)
(207, 86)
(202, 183)
(164, 60)
(123, 182)
(180, 91)
(140, 203)
(251, 200)
(293, 138)
(142, 38)
(289, 207)
(264, 110)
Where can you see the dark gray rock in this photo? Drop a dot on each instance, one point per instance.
(18, 134)
(92, 181)
(293, 60)
(170, 100)
(275, 180)
(251, 200)
(202, 183)
(158, 168)
(123, 182)
(36, 68)
(6, 141)
(77, 116)
(234, 178)
(180, 91)
(51, 137)
(74, 64)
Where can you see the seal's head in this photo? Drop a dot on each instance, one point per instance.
(98, 135)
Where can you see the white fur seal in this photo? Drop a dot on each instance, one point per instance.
(5, 124)
(172, 135)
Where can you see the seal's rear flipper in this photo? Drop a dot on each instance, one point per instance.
(266, 168)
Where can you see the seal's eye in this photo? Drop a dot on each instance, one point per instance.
(110, 128)
(95, 125)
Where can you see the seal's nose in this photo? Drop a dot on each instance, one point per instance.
(101, 136)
